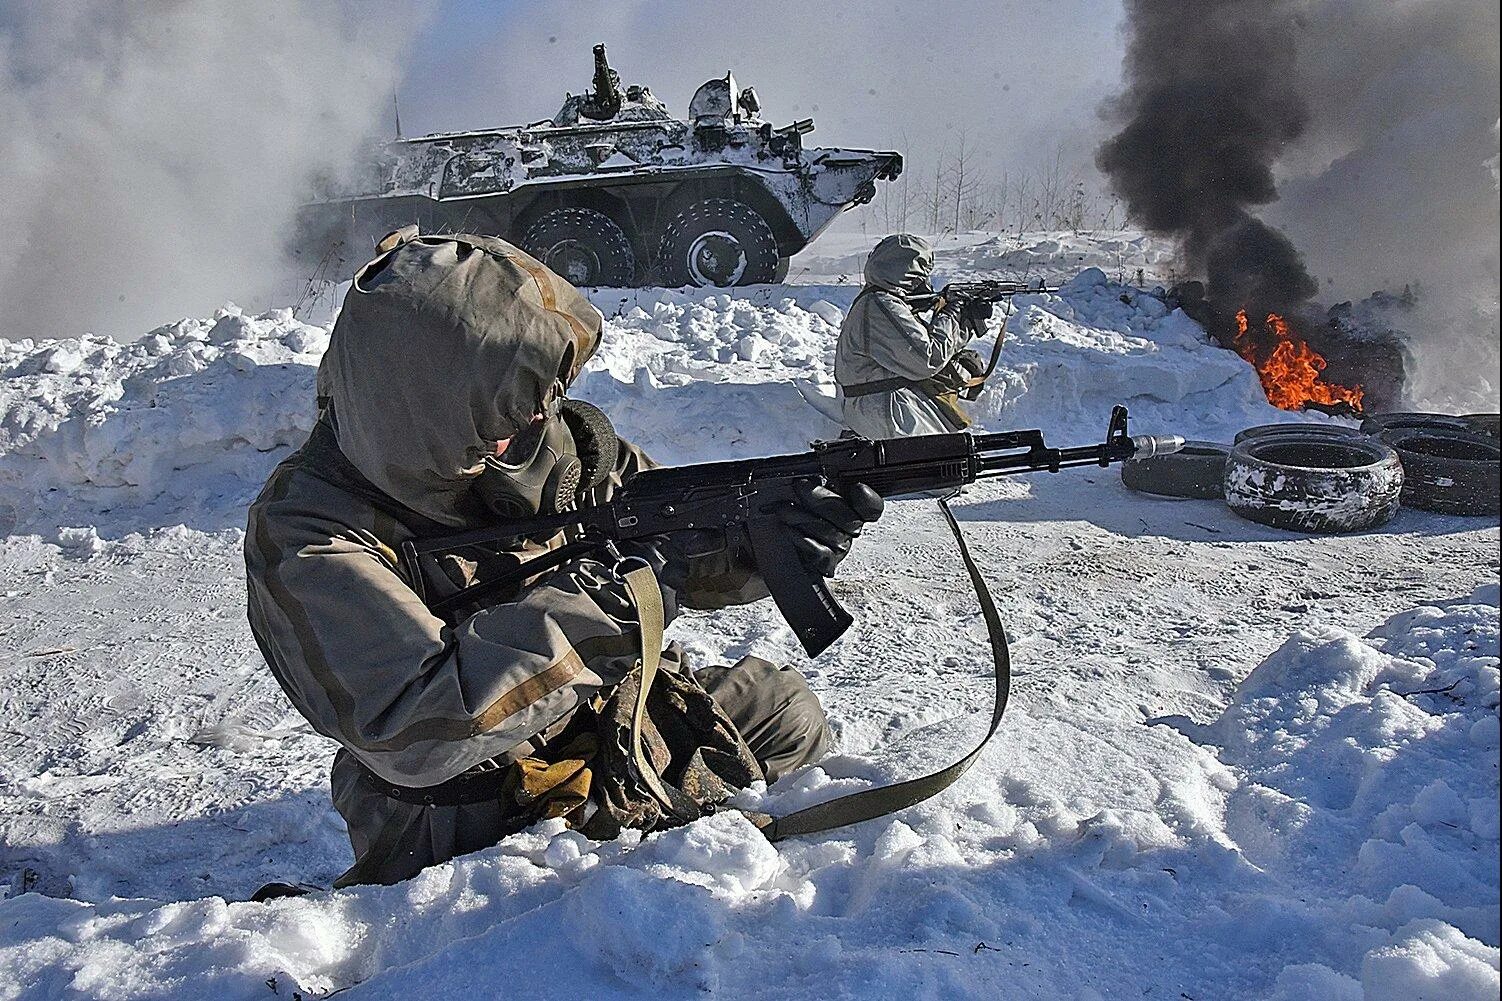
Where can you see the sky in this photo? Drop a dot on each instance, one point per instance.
(1023, 80)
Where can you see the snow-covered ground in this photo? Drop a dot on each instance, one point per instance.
(1238, 763)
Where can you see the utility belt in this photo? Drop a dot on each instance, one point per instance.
(961, 379)
(473, 786)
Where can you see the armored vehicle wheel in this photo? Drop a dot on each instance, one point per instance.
(719, 242)
(583, 246)
(1315, 483)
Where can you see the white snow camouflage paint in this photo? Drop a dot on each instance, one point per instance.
(1238, 763)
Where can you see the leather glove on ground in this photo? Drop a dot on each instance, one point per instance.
(823, 523)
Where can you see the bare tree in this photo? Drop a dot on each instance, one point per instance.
(963, 182)
(936, 197)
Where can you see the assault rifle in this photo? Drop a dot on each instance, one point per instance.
(968, 380)
(986, 290)
(748, 493)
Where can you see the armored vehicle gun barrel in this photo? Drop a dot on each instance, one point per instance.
(604, 101)
(613, 190)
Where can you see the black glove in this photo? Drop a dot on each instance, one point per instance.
(823, 523)
(975, 313)
(971, 363)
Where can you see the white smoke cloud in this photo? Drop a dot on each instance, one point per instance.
(1395, 181)
(153, 155)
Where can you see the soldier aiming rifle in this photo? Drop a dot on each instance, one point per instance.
(898, 374)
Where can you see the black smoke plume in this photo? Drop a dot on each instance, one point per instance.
(1210, 103)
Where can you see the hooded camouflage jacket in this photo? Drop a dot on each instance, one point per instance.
(883, 339)
(445, 346)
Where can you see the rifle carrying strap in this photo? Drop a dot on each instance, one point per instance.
(641, 584)
(854, 808)
(871, 803)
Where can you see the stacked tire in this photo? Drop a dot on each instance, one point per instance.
(1321, 482)
(1451, 465)
(1327, 478)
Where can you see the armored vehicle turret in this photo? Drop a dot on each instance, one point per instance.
(612, 190)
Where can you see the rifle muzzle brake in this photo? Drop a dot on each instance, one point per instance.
(1149, 445)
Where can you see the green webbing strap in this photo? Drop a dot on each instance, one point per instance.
(641, 584)
(871, 803)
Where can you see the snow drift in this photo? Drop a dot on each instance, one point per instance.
(1217, 778)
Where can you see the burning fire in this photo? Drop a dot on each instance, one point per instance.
(1289, 368)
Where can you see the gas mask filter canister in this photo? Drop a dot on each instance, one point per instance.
(573, 448)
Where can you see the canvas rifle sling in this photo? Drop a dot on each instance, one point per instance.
(645, 593)
(975, 382)
(871, 803)
(855, 807)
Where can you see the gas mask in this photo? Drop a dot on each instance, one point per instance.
(545, 468)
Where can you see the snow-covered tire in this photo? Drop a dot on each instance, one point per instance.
(1314, 484)
(717, 242)
(1378, 423)
(584, 247)
(1451, 472)
(1487, 424)
(1197, 470)
(1337, 431)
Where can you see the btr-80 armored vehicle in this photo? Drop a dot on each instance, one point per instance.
(614, 191)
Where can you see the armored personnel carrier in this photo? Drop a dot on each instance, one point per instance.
(612, 190)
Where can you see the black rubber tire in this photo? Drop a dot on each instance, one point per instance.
(1197, 470)
(1297, 428)
(1377, 423)
(717, 242)
(1450, 472)
(584, 247)
(780, 273)
(1314, 484)
(1487, 424)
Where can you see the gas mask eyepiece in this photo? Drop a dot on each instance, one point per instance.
(545, 477)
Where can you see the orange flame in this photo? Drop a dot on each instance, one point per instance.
(1290, 371)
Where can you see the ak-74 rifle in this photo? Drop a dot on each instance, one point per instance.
(969, 381)
(745, 495)
(984, 290)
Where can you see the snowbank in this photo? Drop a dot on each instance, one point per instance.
(184, 424)
(1335, 834)
(1369, 785)
(180, 426)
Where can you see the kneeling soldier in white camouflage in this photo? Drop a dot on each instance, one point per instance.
(444, 409)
